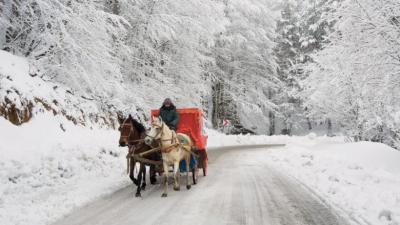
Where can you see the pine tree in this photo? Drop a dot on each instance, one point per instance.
(288, 53)
(302, 30)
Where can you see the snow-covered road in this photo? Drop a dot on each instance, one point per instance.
(240, 189)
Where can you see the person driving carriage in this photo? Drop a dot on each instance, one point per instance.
(169, 114)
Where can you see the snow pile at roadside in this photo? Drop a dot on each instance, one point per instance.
(22, 87)
(362, 179)
(50, 166)
(217, 139)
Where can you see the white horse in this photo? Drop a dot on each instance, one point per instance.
(174, 148)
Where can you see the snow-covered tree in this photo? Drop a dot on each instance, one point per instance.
(244, 58)
(302, 30)
(127, 55)
(355, 77)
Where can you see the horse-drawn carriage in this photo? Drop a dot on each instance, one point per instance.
(191, 124)
(187, 146)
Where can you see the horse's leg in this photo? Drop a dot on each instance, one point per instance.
(194, 171)
(144, 178)
(177, 185)
(139, 188)
(194, 175)
(165, 194)
(132, 171)
(153, 178)
(187, 162)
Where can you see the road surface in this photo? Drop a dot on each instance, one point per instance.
(240, 189)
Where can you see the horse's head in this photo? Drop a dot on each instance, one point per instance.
(130, 130)
(156, 130)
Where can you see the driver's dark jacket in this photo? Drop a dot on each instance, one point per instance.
(170, 116)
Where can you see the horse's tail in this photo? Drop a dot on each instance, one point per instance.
(185, 140)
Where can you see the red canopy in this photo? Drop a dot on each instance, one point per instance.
(190, 123)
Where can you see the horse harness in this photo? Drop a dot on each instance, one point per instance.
(125, 124)
(174, 140)
(140, 157)
(134, 145)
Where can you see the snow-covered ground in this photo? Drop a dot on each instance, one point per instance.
(49, 166)
(46, 172)
(216, 139)
(363, 179)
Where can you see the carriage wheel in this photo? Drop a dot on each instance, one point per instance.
(205, 165)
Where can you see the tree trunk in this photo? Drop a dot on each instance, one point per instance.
(271, 117)
(329, 122)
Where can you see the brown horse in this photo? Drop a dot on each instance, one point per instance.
(132, 135)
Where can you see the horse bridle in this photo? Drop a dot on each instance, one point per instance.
(161, 133)
(124, 124)
(130, 130)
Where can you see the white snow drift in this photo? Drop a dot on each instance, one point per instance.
(362, 179)
(50, 166)
(21, 84)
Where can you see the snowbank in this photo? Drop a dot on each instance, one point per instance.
(50, 166)
(362, 179)
(217, 139)
(22, 89)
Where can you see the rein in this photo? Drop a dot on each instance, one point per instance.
(169, 148)
(131, 152)
(136, 141)
(133, 144)
(174, 144)
(130, 129)
(159, 133)
(174, 140)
